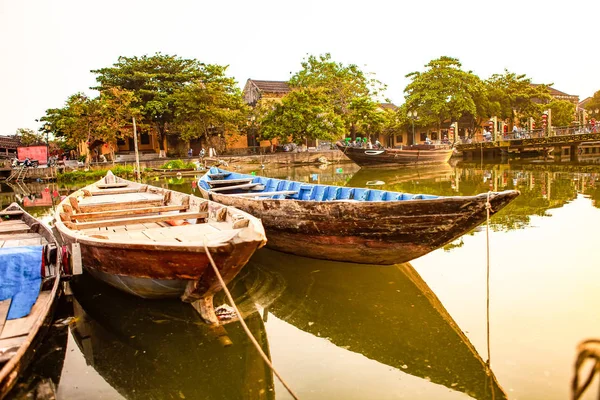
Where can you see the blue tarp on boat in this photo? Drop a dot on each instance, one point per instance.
(20, 278)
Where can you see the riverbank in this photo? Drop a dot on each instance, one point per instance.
(126, 168)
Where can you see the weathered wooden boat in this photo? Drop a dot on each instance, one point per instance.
(153, 351)
(387, 314)
(417, 154)
(151, 241)
(29, 286)
(350, 224)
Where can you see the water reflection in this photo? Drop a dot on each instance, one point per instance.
(161, 349)
(387, 314)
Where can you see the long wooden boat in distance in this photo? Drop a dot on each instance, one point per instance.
(350, 224)
(418, 154)
(29, 287)
(150, 241)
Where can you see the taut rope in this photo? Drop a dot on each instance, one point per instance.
(241, 319)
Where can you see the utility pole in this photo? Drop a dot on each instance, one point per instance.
(138, 174)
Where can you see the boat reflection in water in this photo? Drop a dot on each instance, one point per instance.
(387, 314)
(390, 177)
(162, 349)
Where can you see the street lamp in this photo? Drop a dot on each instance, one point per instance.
(413, 115)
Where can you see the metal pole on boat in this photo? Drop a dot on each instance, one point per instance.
(138, 174)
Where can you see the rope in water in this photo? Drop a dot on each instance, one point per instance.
(588, 350)
(488, 208)
(241, 319)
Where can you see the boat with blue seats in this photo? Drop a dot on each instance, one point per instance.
(350, 224)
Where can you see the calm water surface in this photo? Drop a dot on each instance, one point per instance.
(342, 331)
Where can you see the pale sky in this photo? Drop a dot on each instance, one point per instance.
(48, 47)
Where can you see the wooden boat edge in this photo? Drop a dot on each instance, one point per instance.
(9, 373)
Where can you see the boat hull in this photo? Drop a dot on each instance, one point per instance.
(370, 232)
(155, 243)
(12, 370)
(391, 157)
(161, 272)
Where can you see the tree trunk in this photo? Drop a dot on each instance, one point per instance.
(160, 128)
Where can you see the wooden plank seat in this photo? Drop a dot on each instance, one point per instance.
(254, 186)
(121, 202)
(112, 185)
(105, 192)
(220, 175)
(21, 326)
(9, 213)
(229, 182)
(182, 233)
(136, 220)
(87, 216)
(264, 194)
(13, 227)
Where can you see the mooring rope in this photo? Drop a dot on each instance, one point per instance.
(488, 208)
(588, 349)
(241, 319)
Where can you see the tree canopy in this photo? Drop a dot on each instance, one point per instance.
(346, 89)
(302, 114)
(170, 90)
(511, 95)
(443, 92)
(563, 112)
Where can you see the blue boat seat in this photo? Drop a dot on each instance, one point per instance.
(376, 195)
(344, 194)
(361, 194)
(331, 193)
(304, 192)
(318, 192)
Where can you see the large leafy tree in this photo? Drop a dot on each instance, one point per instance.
(28, 137)
(511, 95)
(563, 112)
(209, 107)
(593, 104)
(302, 114)
(75, 121)
(443, 91)
(155, 81)
(103, 119)
(347, 89)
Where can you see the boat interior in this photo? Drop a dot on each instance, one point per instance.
(29, 287)
(140, 213)
(232, 183)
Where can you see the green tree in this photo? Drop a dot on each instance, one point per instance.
(443, 92)
(29, 137)
(346, 88)
(366, 117)
(511, 95)
(155, 81)
(563, 112)
(209, 107)
(593, 104)
(302, 114)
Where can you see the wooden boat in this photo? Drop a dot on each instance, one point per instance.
(154, 351)
(351, 224)
(22, 328)
(387, 314)
(150, 241)
(417, 154)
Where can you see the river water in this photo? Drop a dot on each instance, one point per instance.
(420, 330)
